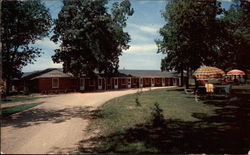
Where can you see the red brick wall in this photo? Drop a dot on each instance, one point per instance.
(109, 83)
(146, 82)
(158, 82)
(134, 82)
(122, 83)
(90, 84)
(45, 84)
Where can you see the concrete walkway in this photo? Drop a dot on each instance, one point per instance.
(56, 126)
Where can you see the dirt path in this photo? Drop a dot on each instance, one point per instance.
(55, 126)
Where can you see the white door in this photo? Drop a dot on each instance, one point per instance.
(141, 82)
(152, 82)
(99, 83)
(129, 82)
(174, 82)
(116, 83)
(163, 82)
(82, 84)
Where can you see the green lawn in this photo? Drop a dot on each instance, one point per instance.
(11, 110)
(217, 125)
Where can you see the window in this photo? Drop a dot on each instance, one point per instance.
(55, 82)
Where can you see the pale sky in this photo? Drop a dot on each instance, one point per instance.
(143, 28)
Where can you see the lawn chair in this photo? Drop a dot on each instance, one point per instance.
(189, 91)
(209, 89)
(228, 89)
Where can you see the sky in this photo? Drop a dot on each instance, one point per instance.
(143, 28)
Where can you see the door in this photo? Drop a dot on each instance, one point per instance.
(116, 83)
(163, 82)
(174, 82)
(82, 84)
(129, 82)
(99, 83)
(141, 82)
(152, 82)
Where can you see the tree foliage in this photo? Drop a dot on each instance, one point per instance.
(23, 22)
(235, 49)
(91, 38)
(189, 36)
(203, 33)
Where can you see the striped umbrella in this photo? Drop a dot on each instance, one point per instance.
(208, 73)
(236, 72)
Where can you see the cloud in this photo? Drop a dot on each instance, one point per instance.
(153, 29)
(142, 49)
(141, 61)
(139, 38)
(41, 63)
(46, 44)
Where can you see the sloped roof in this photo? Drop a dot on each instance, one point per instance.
(149, 73)
(58, 72)
(49, 72)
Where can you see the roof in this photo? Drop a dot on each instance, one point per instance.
(49, 72)
(149, 73)
(58, 72)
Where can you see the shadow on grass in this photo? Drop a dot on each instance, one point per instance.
(227, 131)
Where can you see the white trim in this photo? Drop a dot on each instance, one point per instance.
(52, 83)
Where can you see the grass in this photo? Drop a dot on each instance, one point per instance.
(217, 125)
(20, 99)
(11, 110)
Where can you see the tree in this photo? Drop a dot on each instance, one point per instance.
(189, 38)
(23, 22)
(235, 47)
(91, 39)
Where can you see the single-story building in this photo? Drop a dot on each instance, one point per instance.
(54, 80)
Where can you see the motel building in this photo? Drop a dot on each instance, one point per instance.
(54, 80)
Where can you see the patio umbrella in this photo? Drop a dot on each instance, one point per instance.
(236, 72)
(208, 73)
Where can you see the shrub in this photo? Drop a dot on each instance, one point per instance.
(157, 115)
(137, 100)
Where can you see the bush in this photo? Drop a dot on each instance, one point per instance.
(157, 115)
(137, 100)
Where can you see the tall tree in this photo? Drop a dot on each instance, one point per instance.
(23, 22)
(189, 35)
(235, 47)
(91, 38)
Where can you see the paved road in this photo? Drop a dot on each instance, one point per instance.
(55, 126)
